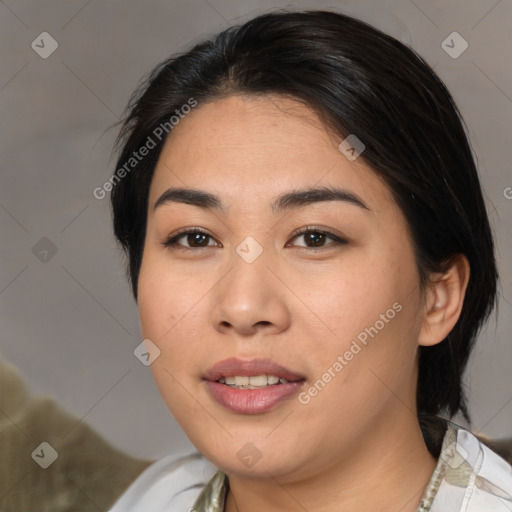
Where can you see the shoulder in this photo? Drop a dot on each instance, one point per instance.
(171, 483)
(474, 477)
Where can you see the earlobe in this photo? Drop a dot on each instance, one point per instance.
(444, 299)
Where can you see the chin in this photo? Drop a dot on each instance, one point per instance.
(254, 460)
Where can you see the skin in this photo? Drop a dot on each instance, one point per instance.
(297, 304)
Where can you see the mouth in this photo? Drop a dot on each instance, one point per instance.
(253, 386)
(255, 372)
(253, 382)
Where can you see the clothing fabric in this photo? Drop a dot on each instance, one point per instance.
(468, 477)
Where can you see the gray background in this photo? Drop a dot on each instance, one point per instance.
(70, 323)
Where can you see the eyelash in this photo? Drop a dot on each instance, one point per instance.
(172, 240)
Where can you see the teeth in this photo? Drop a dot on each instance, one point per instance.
(257, 380)
(253, 382)
(272, 379)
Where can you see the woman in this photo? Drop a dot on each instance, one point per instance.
(311, 258)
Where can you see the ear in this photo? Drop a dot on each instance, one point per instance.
(444, 298)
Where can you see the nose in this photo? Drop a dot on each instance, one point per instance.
(250, 298)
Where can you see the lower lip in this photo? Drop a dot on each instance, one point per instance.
(252, 401)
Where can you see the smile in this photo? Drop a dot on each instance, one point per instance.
(254, 382)
(251, 386)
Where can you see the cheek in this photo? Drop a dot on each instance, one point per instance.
(164, 298)
(351, 297)
(165, 306)
(368, 308)
(172, 315)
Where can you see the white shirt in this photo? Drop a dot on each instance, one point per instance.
(172, 483)
(469, 477)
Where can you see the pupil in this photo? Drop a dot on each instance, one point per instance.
(196, 237)
(316, 238)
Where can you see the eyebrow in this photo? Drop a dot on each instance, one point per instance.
(286, 201)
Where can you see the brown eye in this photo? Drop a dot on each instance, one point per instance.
(314, 237)
(194, 238)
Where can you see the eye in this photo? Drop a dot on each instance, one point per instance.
(314, 237)
(195, 238)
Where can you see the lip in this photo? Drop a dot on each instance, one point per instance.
(251, 401)
(233, 366)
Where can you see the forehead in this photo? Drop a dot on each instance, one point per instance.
(258, 146)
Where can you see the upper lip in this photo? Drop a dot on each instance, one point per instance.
(249, 368)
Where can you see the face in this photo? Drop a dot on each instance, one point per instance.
(233, 286)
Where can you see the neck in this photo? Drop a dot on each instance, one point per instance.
(387, 470)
